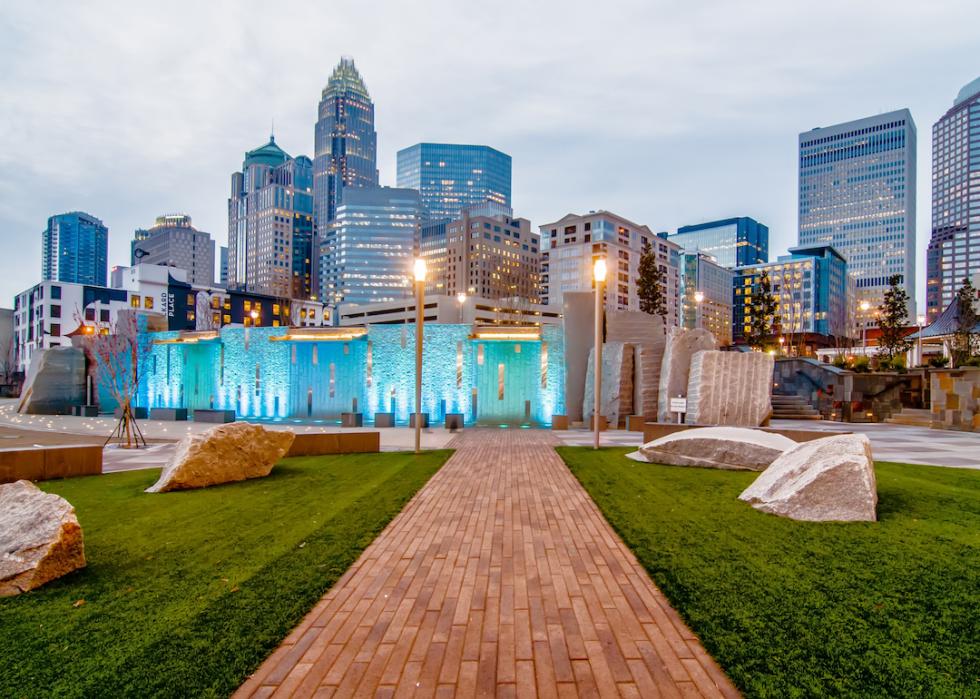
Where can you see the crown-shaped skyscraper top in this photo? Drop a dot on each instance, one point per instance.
(345, 78)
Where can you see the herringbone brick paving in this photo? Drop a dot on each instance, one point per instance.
(499, 578)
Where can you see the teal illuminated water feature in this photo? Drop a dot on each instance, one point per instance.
(278, 373)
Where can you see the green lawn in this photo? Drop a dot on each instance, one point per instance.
(794, 609)
(186, 593)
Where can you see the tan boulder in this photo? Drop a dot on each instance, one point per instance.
(728, 448)
(40, 538)
(224, 454)
(825, 480)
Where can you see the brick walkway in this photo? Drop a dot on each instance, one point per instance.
(499, 578)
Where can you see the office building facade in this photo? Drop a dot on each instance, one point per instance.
(494, 256)
(732, 242)
(450, 177)
(857, 194)
(701, 273)
(571, 245)
(367, 253)
(954, 247)
(75, 249)
(813, 290)
(345, 140)
(270, 224)
(174, 242)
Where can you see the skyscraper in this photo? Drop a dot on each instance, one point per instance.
(857, 193)
(954, 248)
(345, 143)
(174, 242)
(75, 248)
(270, 224)
(367, 251)
(701, 273)
(450, 177)
(732, 242)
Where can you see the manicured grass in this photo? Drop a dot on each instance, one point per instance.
(186, 593)
(794, 609)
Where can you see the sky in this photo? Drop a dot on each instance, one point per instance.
(666, 113)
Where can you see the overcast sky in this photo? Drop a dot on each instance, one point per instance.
(667, 113)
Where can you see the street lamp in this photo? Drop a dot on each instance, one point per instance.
(461, 297)
(781, 341)
(254, 316)
(419, 321)
(920, 322)
(698, 298)
(864, 306)
(599, 274)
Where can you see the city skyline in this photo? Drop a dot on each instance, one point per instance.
(102, 152)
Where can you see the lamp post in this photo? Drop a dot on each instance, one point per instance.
(419, 321)
(599, 274)
(864, 306)
(461, 297)
(254, 316)
(698, 298)
(781, 341)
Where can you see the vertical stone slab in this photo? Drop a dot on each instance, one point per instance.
(681, 346)
(729, 388)
(646, 333)
(55, 382)
(578, 326)
(616, 400)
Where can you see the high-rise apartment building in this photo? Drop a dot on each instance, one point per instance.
(702, 277)
(270, 224)
(954, 248)
(367, 252)
(813, 290)
(570, 246)
(75, 249)
(492, 255)
(732, 242)
(450, 177)
(345, 141)
(173, 241)
(857, 193)
(223, 266)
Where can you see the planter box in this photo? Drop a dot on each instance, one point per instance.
(168, 414)
(319, 443)
(352, 419)
(221, 416)
(559, 422)
(44, 463)
(384, 419)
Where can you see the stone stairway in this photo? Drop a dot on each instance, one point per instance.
(913, 417)
(793, 408)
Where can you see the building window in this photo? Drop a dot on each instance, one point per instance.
(134, 301)
(148, 302)
(56, 329)
(55, 292)
(89, 314)
(55, 311)
(104, 315)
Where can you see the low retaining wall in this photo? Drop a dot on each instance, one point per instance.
(320, 443)
(45, 463)
(955, 397)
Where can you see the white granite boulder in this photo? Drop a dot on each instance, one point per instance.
(616, 400)
(40, 538)
(826, 480)
(730, 388)
(224, 454)
(55, 381)
(729, 448)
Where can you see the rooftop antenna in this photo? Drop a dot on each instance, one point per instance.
(272, 131)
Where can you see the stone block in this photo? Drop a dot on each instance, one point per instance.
(682, 344)
(352, 419)
(454, 421)
(170, 414)
(384, 419)
(221, 416)
(727, 448)
(425, 420)
(729, 388)
(617, 383)
(54, 383)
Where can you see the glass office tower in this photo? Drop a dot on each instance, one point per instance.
(954, 248)
(346, 143)
(733, 242)
(367, 253)
(75, 248)
(450, 177)
(857, 193)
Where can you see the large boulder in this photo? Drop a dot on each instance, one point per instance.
(616, 399)
(40, 538)
(730, 388)
(55, 381)
(682, 345)
(825, 480)
(729, 448)
(224, 454)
